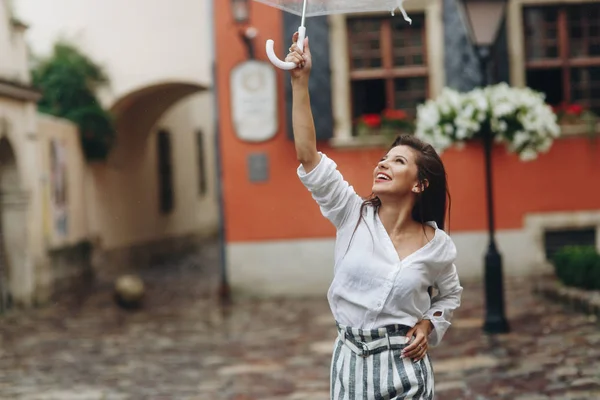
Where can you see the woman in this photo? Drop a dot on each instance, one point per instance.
(390, 250)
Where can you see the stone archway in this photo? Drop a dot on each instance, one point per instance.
(137, 112)
(128, 216)
(13, 229)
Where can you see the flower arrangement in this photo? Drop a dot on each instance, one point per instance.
(518, 117)
(388, 123)
(576, 114)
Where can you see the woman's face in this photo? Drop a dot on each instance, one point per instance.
(397, 173)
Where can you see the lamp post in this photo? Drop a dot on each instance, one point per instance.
(484, 18)
(240, 10)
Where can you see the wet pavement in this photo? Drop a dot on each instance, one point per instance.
(183, 345)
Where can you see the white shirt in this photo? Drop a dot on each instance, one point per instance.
(372, 287)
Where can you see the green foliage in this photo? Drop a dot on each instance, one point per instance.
(68, 80)
(578, 266)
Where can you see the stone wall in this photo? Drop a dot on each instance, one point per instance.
(107, 264)
(71, 266)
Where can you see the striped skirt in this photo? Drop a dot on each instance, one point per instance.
(367, 365)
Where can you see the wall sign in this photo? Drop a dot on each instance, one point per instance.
(258, 167)
(254, 101)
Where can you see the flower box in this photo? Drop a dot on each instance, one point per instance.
(389, 123)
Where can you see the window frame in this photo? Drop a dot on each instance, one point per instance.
(515, 35)
(564, 61)
(340, 68)
(387, 72)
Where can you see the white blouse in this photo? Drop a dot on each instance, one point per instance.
(372, 287)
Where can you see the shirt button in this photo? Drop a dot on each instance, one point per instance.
(379, 304)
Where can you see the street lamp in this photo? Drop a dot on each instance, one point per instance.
(484, 18)
(240, 10)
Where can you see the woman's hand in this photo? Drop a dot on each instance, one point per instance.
(418, 348)
(302, 59)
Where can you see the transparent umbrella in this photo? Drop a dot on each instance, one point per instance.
(310, 8)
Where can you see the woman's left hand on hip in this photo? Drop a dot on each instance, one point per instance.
(418, 348)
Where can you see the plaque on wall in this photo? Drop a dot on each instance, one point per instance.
(258, 167)
(254, 101)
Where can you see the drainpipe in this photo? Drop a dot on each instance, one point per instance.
(224, 291)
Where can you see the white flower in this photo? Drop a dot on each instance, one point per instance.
(503, 109)
(528, 155)
(520, 139)
(545, 145)
(461, 133)
(518, 117)
(502, 126)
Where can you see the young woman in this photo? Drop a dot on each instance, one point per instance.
(390, 250)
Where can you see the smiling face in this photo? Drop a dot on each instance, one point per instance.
(397, 173)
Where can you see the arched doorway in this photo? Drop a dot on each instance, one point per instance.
(13, 233)
(155, 197)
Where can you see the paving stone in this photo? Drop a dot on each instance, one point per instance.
(532, 397)
(465, 363)
(449, 385)
(183, 344)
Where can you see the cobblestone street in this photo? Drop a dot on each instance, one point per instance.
(182, 345)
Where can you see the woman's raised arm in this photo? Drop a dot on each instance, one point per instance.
(302, 119)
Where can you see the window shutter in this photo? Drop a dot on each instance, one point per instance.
(320, 81)
(165, 172)
(460, 61)
(202, 182)
(501, 66)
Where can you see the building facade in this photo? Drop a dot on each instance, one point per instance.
(277, 242)
(155, 195)
(21, 250)
(36, 187)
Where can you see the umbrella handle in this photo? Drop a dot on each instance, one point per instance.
(287, 66)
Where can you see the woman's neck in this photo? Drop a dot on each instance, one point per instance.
(396, 217)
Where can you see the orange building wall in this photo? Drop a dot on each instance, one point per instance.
(564, 179)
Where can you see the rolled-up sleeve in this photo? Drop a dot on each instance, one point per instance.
(444, 303)
(335, 197)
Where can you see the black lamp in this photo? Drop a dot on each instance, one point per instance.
(483, 19)
(240, 10)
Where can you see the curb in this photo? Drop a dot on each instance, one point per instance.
(585, 301)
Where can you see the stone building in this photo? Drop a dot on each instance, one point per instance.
(155, 195)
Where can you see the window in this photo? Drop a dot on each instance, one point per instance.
(165, 172)
(562, 53)
(388, 64)
(556, 239)
(202, 188)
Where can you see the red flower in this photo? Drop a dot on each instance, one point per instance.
(394, 114)
(575, 109)
(569, 109)
(371, 120)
